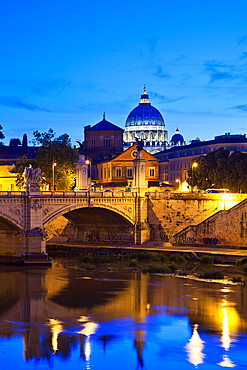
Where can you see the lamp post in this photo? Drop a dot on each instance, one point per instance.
(178, 182)
(194, 165)
(88, 162)
(53, 175)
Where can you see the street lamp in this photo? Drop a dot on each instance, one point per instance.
(178, 182)
(88, 162)
(194, 165)
(53, 175)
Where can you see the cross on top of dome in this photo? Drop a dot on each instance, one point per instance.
(144, 96)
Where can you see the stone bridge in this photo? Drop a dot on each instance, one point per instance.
(27, 220)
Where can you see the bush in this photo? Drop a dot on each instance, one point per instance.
(173, 267)
(179, 258)
(241, 262)
(237, 279)
(86, 266)
(88, 258)
(214, 274)
(133, 263)
(207, 260)
(157, 268)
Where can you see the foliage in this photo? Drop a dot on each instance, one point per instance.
(52, 150)
(207, 260)
(15, 142)
(24, 140)
(21, 164)
(221, 169)
(214, 274)
(1, 135)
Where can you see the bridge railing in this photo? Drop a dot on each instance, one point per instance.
(68, 194)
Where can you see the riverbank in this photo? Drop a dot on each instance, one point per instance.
(204, 266)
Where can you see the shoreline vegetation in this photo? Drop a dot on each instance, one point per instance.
(179, 264)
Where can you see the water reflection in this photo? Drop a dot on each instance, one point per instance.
(59, 314)
(56, 329)
(195, 347)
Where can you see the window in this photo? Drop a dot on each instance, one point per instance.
(105, 173)
(101, 173)
(118, 172)
(109, 172)
(12, 187)
(129, 172)
(151, 171)
(93, 143)
(107, 142)
(118, 143)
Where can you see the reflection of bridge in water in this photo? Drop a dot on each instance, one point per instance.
(57, 297)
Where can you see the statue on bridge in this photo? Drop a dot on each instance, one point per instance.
(140, 144)
(32, 178)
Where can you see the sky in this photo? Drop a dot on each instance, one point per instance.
(65, 62)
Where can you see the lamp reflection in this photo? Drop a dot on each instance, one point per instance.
(89, 328)
(56, 329)
(225, 339)
(194, 348)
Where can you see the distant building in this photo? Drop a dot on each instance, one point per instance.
(118, 172)
(145, 122)
(175, 162)
(103, 140)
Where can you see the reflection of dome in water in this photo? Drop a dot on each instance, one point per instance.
(177, 138)
(145, 122)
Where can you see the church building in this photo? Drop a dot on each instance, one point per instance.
(145, 122)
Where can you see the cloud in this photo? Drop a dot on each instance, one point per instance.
(39, 87)
(242, 40)
(244, 55)
(219, 71)
(165, 99)
(242, 107)
(19, 104)
(160, 73)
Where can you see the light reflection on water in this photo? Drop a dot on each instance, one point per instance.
(57, 318)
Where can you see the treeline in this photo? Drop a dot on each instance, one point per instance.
(221, 169)
(51, 150)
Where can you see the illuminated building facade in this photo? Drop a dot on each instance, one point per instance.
(175, 161)
(118, 172)
(145, 122)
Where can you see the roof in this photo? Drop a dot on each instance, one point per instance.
(196, 143)
(104, 125)
(128, 155)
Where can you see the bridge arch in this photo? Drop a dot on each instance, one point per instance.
(11, 220)
(62, 211)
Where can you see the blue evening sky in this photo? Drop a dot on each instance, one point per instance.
(64, 62)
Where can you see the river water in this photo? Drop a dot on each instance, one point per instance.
(60, 318)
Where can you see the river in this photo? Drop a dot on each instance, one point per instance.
(63, 318)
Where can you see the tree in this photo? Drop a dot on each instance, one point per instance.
(24, 140)
(14, 142)
(1, 135)
(21, 164)
(221, 169)
(56, 150)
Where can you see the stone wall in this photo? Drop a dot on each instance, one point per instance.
(226, 227)
(170, 214)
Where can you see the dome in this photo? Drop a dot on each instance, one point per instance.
(177, 139)
(144, 114)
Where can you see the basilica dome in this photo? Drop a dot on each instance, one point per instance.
(144, 114)
(145, 122)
